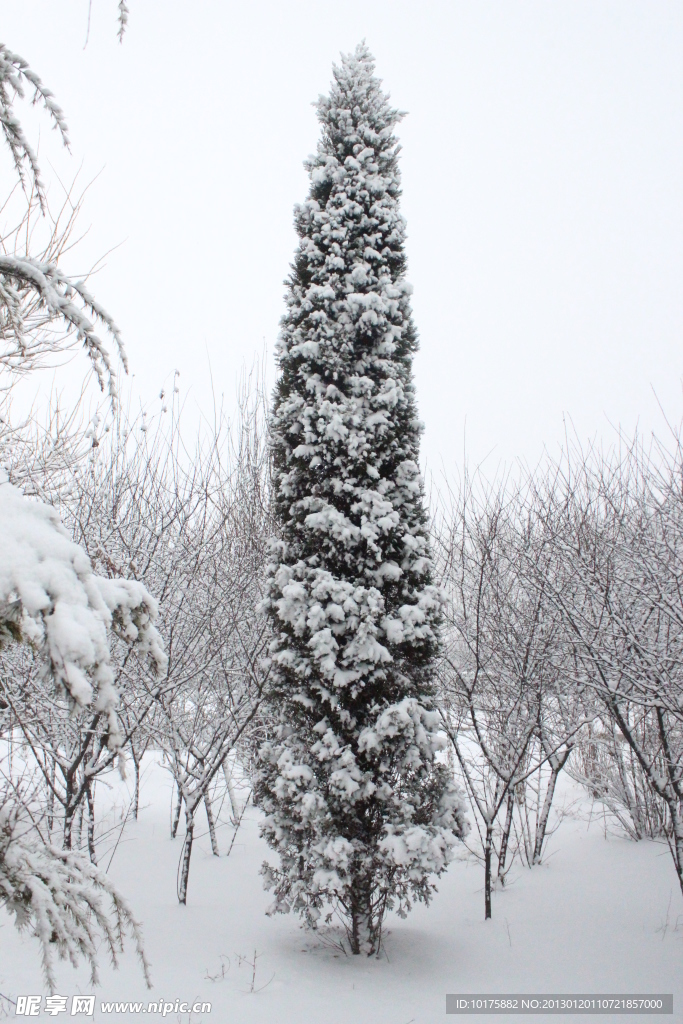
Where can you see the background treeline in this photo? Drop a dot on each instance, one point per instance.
(562, 644)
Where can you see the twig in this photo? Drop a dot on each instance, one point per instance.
(116, 844)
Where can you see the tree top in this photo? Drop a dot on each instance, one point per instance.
(357, 113)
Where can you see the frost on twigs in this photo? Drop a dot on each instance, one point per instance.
(66, 902)
(356, 804)
(27, 285)
(50, 597)
(15, 75)
(123, 19)
(42, 311)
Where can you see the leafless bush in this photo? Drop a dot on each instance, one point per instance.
(192, 525)
(608, 768)
(564, 643)
(616, 523)
(505, 703)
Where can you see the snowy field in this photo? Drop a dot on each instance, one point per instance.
(602, 914)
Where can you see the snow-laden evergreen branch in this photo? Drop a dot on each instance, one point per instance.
(50, 597)
(66, 902)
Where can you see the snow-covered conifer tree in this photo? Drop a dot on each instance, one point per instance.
(358, 809)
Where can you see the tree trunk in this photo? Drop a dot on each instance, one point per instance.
(488, 846)
(136, 791)
(506, 836)
(69, 811)
(629, 794)
(364, 931)
(187, 853)
(212, 826)
(51, 801)
(234, 803)
(91, 823)
(677, 847)
(556, 766)
(176, 814)
(68, 824)
(79, 825)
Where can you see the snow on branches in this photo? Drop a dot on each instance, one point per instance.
(62, 898)
(421, 811)
(35, 296)
(28, 287)
(50, 597)
(123, 19)
(356, 805)
(15, 74)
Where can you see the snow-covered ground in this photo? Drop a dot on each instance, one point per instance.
(603, 914)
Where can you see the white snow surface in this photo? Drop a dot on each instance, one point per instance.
(603, 915)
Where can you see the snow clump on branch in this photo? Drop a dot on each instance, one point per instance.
(50, 597)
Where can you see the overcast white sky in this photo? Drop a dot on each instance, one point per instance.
(543, 189)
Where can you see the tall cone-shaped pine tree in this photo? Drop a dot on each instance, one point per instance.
(357, 807)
